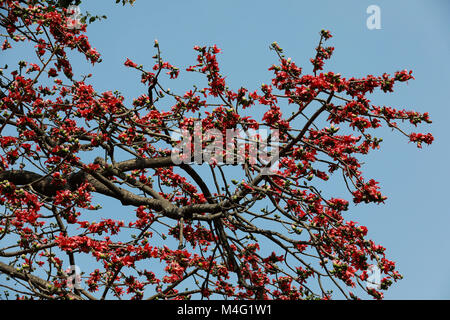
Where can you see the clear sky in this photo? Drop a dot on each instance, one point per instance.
(414, 223)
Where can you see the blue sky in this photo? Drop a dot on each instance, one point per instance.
(414, 222)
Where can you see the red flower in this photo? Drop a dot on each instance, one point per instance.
(130, 63)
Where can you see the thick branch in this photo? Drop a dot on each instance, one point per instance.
(42, 285)
(101, 184)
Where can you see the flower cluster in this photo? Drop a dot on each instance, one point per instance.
(241, 233)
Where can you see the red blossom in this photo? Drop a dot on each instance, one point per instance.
(254, 236)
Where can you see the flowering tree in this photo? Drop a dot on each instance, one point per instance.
(250, 229)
